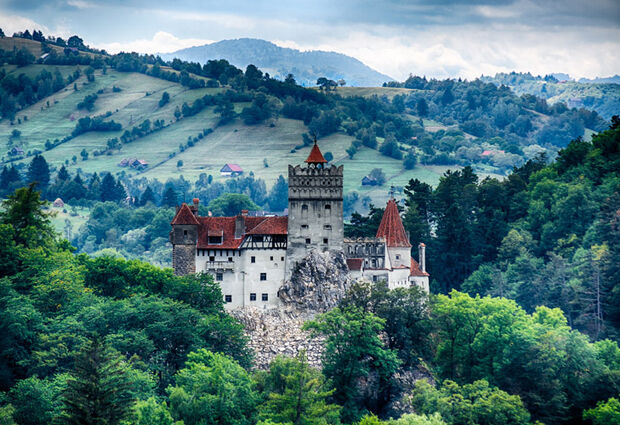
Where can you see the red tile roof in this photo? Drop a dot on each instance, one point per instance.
(184, 216)
(355, 263)
(316, 157)
(225, 226)
(415, 269)
(391, 227)
(271, 226)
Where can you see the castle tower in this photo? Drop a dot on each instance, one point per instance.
(314, 208)
(183, 237)
(393, 232)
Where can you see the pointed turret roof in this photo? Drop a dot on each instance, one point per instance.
(391, 227)
(316, 157)
(184, 216)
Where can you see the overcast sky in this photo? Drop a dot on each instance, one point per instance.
(438, 38)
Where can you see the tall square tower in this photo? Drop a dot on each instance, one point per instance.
(315, 219)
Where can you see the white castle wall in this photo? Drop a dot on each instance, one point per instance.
(240, 277)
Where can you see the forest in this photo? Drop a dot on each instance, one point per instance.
(510, 335)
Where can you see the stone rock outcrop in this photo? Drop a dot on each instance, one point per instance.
(317, 284)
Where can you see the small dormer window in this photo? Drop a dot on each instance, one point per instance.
(215, 240)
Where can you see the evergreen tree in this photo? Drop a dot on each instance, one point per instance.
(302, 398)
(169, 198)
(22, 211)
(422, 107)
(39, 171)
(63, 174)
(94, 187)
(9, 178)
(98, 391)
(112, 190)
(147, 196)
(278, 195)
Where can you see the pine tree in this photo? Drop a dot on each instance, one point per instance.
(278, 196)
(98, 391)
(63, 174)
(111, 190)
(39, 171)
(22, 211)
(94, 188)
(147, 196)
(169, 197)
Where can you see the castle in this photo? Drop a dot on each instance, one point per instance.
(251, 257)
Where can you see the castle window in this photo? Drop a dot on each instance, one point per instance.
(252, 259)
(263, 276)
(398, 257)
(325, 240)
(219, 277)
(184, 232)
(304, 211)
(230, 259)
(253, 296)
(215, 240)
(271, 258)
(281, 258)
(328, 209)
(327, 227)
(211, 258)
(308, 241)
(265, 297)
(228, 298)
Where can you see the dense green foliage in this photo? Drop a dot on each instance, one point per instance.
(125, 342)
(546, 235)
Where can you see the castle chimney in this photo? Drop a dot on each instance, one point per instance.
(240, 224)
(422, 256)
(194, 207)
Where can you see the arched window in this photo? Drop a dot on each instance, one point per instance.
(304, 211)
(328, 210)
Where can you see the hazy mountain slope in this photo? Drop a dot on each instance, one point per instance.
(601, 94)
(280, 61)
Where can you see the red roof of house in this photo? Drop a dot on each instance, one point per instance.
(225, 226)
(355, 263)
(184, 216)
(391, 227)
(232, 167)
(415, 269)
(315, 157)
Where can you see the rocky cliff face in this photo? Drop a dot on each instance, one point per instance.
(317, 284)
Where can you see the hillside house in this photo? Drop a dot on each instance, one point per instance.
(16, 151)
(369, 181)
(231, 170)
(138, 164)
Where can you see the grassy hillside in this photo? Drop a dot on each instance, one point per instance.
(56, 116)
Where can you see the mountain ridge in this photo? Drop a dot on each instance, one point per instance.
(279, 61)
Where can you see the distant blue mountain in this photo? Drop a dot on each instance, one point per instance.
(280, 61)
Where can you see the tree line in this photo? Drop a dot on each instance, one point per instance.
(106, 340)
